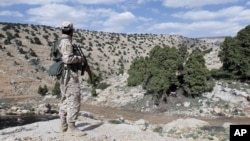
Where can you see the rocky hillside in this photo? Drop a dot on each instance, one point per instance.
(24, 51)
(119, 112)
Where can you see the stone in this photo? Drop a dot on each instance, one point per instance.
(186, 104)
(184, 124)
(143, 124)
(217, 110)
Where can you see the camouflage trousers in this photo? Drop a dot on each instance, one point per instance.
(70, 101)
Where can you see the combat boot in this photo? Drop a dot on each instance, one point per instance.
(73, 131)
(64, 125)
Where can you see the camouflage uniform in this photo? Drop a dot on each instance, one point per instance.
(70, 87)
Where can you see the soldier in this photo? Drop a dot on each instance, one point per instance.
(70, 87)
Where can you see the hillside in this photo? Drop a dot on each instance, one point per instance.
(22, 72)
(118, 112)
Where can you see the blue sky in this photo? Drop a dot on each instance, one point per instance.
(190, 18)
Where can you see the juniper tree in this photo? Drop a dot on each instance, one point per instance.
(234, 55)
(196, 74)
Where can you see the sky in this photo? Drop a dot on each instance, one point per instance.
(189, 18)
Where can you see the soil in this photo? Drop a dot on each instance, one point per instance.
(155, 118)
(104, 113)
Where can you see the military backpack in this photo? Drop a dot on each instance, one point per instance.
(56, 69)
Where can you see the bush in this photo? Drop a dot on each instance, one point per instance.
(9, 54)
(32, 53)
(42, 90)
(18, 42)
(7, 42)
(158, 129)
(102, 86)
(7, 27)
(21, 51)
(37, 41)
(137, 71)
(93, 92)
(95, 78)
(56, 90)
(1, 35)
(221, 74)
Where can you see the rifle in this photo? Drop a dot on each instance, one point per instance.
(85, 66)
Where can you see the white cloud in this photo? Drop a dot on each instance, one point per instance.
(155, 10)
(198, 29)
(117, 22)
(214, 27)
(99, 1)
(54, 14)
(82, 17)
(100, 13)
(196, 15)
(29, 2)
(143, 1)
(167, 25)
(11, 13)
(120, 19)
(44, 2)
(236, 16)
(233, 11)
(116, 29)
(143, 19)
(194, 3)
(140, 1)
(240, 16)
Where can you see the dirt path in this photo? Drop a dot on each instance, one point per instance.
(155, 118)
(115, 113)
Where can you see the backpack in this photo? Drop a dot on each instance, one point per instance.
(56, 69)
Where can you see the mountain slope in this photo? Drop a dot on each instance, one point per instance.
(24, 53)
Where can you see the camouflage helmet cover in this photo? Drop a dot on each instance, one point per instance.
(67, 25)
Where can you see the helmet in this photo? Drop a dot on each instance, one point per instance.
(67, 25)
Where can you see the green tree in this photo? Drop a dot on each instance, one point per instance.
(234, 55)
(197, 75)
(183, 51)
(163, 65)
(157, 73)
(137, 71)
